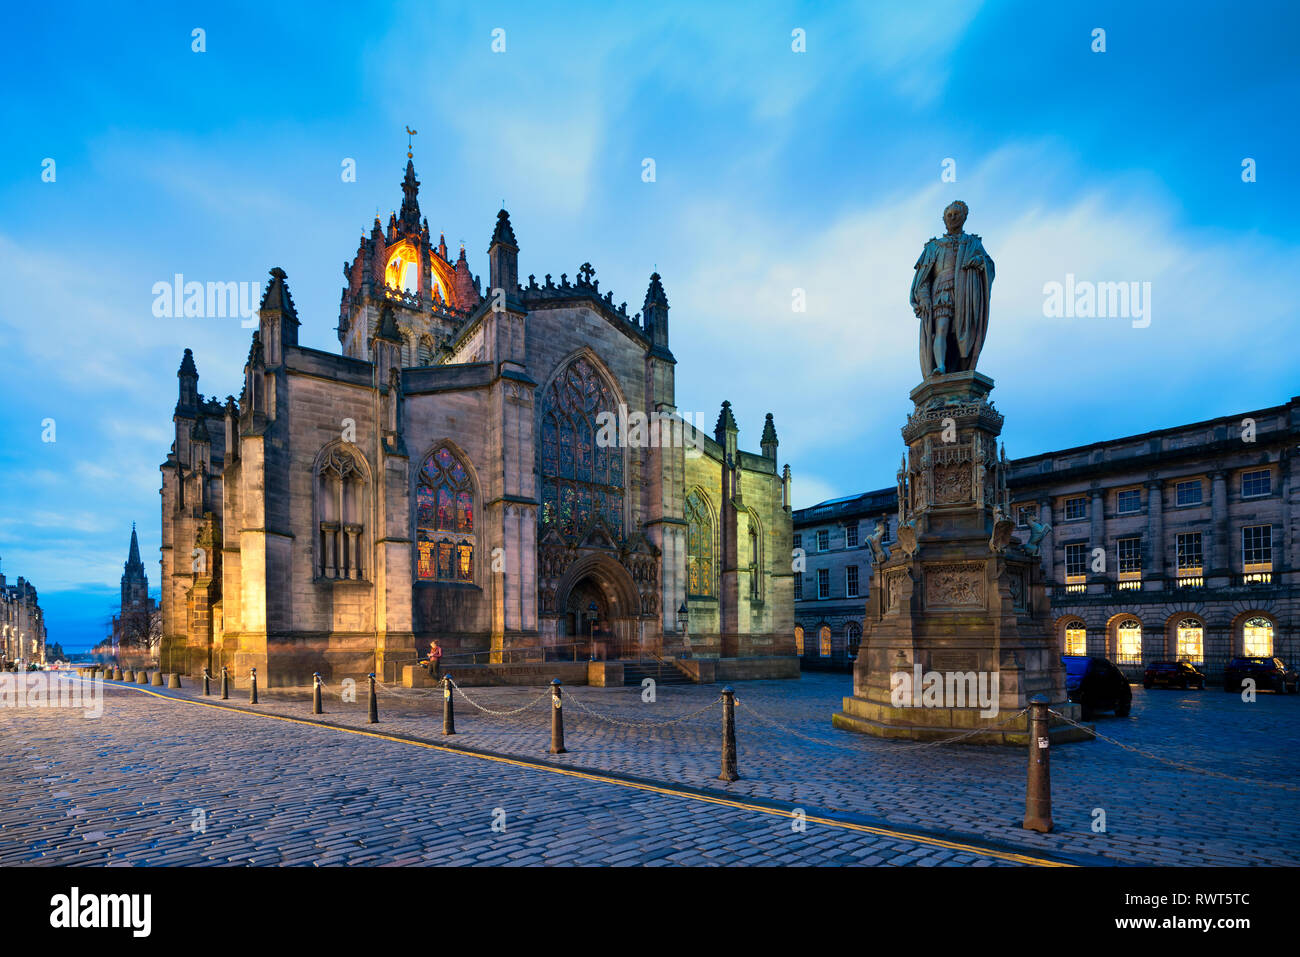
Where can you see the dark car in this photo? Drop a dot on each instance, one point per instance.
(1097, 685)
(1269, 674)
(1172, 674)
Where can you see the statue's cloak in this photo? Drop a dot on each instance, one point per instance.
(970, 315)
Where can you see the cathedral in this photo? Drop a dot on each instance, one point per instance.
(501, 468)
(131, 636)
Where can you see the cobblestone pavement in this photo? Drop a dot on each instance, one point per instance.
(1153, 813)
(132, 786)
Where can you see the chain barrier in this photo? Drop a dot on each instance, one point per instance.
(1179, 765)
(500, 714)
(570, 699)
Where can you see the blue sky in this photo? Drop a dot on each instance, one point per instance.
(775, 170)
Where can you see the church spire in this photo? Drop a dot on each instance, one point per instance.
(133, 557)
(409, 218)
(768, 441)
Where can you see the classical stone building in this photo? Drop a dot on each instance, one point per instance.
(22, 623)
(1178, 543)
(131, 626)
(503, 470)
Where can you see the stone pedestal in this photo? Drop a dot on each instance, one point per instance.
(957, 633)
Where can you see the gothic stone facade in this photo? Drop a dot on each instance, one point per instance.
(1198, 527)
(453, 475)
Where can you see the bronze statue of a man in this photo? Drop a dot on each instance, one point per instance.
(950, 295)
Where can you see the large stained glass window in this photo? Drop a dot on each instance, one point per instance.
(444, 519)
(699, 546)
(581, 478)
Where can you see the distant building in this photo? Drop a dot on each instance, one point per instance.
(1182, 543)
(22, 623)
(131, 626)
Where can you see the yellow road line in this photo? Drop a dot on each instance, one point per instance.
(1009, 856)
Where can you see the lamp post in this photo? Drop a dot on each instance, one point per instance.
(683, 619)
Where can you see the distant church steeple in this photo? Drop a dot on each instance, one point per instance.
(135, 586)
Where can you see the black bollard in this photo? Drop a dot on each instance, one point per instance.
(225, 683)
(728, 736)
(373, 717)
(252, 693)
(1038, 792)
(557, 719)
(448, 715)
(207, 683)
(315, 694)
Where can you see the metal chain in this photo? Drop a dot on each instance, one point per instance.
(642, 724)
(1175, 764)
(499, 714)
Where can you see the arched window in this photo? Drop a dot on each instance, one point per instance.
(1190, 645)
(425, 355)
(699, 546)
(1257, 637)
(444, 519)
(852, 638)
(824, 641)
(581, 479)
(755, 560)
(1128, 642)
(798, 640)
(1076, 638)
(340, 515)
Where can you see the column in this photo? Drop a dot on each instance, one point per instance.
(1220, 554)
(1156, 549)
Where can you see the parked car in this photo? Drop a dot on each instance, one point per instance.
(1269, 674)
(1097, 685)
(1173, 674)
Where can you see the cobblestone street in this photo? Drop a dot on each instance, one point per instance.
(123, 788)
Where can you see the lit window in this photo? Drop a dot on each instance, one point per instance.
(851, 581)
(1076, 568)
(444, 520)
(1256, 483)
(823, 540)
(798, 640)
(1191, 641)
(824, 641)
(1257, 553)
(1128, 645)
(1128, 501)
(1076, 638)
(851, 535)
(1190, 565)
(852, 638)
(823, 583)
(1257, 638)
(1188, 493)
(1075, 509)
(1130, 562)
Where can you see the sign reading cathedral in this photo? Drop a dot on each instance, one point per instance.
(446, 477)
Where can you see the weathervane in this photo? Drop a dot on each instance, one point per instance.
(409, 133)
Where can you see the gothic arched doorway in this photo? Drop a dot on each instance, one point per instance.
(599, 610)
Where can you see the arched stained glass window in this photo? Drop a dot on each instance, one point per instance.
(444, 519)
(581, 480)
(699, 547)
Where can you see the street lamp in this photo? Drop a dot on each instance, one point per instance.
(683, 618)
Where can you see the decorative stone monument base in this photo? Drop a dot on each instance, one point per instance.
(957, 633)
